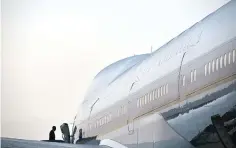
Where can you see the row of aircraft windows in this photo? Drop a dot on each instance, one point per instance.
(122, 110)
(193, 77)
(155, 94)
(212, 66)
(218, 63)
(106, 119)
(100, 122)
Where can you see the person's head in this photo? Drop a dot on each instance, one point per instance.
(54, 128)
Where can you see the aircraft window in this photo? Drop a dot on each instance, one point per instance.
(217, 62)
(145, 99)
(97, 123)
(158, 92)
(161, 90)
(213, 65)
(166, 88)
(195, 75)
(191, 76)
(154, 94)
(150, 96)
(233, 55)
(225, 60)
(109, 117)
(119, 112)
(105, 119)
(138, 102)
(183, 80)
(125, 109)
(229, 57)
(205, 70)
(221, 62)
(108, 120)
(209, 68)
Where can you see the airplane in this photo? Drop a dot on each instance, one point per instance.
(176, 96)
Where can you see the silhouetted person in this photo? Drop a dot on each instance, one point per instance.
(80, 134)
(52, 134)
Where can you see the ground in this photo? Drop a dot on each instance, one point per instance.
(19, 143)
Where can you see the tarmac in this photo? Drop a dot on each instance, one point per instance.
(20, 143)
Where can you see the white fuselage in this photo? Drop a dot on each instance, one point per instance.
(148, 101)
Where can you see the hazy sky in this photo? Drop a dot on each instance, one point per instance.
(52, 49)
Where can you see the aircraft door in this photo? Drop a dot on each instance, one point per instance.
(130, 121)
(181, 80)
(131, 130)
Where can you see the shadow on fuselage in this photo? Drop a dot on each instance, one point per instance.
(89, 140)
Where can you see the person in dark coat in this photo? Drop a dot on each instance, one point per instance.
(80, 134)
(52, 133)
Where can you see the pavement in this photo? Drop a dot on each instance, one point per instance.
(20, 143)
